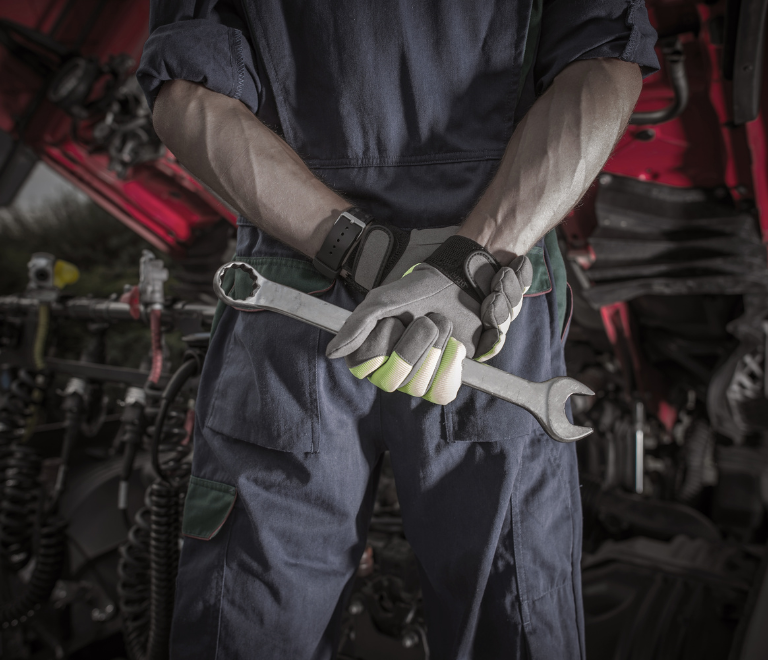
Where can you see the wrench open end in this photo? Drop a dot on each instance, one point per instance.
(555, 422)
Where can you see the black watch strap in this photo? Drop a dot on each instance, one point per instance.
(341, 239)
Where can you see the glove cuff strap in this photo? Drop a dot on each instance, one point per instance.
(378, 250)
(467, 264)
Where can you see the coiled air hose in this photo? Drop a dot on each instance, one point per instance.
(698, 442)
(149, 559)
(22, 508)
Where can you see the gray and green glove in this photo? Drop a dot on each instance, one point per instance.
(412, 334)
(385, 252)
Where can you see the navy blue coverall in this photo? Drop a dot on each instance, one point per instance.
(405, 108)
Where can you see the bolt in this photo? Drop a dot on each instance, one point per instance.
(605, 179)
(409, 639)
(356, 607)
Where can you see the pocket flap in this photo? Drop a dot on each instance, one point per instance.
(541, 282)
(207, 508)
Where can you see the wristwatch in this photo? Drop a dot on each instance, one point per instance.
(342, 238)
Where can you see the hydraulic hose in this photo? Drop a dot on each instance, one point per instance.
(674, 58)
(21, 504)
(155, 319)
(149, 559)
(177, 382)
(49, 561)
(22, 498)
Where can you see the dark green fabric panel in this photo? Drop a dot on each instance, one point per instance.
(294, 273)
(540, 283)
(207, 508)
(558, 274)
(301, 275)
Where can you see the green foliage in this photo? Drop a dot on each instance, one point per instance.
(104, 250)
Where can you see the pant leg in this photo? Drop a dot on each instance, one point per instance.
(295, 436)
(491, 507)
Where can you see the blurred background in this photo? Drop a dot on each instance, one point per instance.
(107, 251)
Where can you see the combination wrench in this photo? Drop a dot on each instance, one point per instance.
(545, 401)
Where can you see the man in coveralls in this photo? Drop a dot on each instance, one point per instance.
(337, 130)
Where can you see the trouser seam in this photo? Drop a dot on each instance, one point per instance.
(549, 591)
(221, 594)
(517, 545)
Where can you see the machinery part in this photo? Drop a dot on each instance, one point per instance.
(699, 441)
(743, 57)
(126, 131)
(133, 586)
(21, 506)
(102, 310)
(49, 560)
(149, 559)
(674, 57)
(746, 392)
(19, 471)
(72, 84)
(170, 469)
(131, 430)
(654, 239)
(16, 163)
(636, 593)
(545, 401)
(627, 514)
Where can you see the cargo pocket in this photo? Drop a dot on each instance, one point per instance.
(206, 508)
(266, 386)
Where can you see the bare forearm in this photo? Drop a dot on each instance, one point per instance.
(555, 153)
(225, 146)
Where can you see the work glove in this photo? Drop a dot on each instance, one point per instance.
(412, 335)
(385, 252)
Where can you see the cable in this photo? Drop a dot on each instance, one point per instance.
(172, 390)
(155, 317)
(149, 559)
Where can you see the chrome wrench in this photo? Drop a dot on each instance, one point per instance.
(545, 401)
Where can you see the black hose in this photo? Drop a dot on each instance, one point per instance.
(21, 505)
(675, 61)
(147, 574)
(149, 559)
(49, 561)
(133, 585)
(172, 390)
(19, 471)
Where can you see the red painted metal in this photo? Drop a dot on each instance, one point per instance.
(158, 200)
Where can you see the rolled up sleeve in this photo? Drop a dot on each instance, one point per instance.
(574, 30)
(203, 42)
